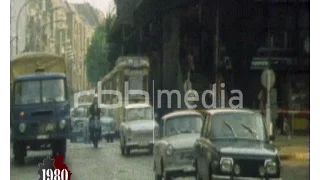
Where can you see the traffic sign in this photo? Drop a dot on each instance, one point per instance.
(268, 73)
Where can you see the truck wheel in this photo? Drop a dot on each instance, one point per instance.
(19, 151)
(59, 147)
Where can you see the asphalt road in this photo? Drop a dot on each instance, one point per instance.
(106, 163)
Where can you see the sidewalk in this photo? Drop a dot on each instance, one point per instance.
(296, 148)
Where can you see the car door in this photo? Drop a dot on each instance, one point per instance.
(199, 145)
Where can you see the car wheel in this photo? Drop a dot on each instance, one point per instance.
(20, 151)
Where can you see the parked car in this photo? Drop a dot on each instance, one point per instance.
(80, 123)
(173, 153)
(107, 125)
(139, 129)
(234, 145)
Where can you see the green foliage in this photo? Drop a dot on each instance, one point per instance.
(97, 59)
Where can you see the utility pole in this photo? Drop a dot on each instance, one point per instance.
(217, 57)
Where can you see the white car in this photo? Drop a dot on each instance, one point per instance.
(139, 129)
(173, 154)
(79, 122)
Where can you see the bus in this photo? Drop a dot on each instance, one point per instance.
(129, 73)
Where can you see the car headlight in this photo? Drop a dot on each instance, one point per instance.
(169, 150)
(270, 166)
(22, 127)
(62, 124)
(226, 164)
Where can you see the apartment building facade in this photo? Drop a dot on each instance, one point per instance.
(62, 28)
(17, 33)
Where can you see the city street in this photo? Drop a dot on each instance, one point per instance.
(106, 163)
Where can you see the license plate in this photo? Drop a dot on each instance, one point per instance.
(42, 137)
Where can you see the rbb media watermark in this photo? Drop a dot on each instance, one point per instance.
(190, 97)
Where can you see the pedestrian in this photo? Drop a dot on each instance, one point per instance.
(262, 100)
(94, 111)
(189, 52)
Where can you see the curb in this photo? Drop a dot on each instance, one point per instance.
(295, 156)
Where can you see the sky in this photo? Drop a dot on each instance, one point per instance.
(103, 5)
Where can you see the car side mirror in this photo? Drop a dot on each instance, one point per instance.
(271, 138)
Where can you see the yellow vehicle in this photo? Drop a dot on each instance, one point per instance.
(40, 110)
(129, 73)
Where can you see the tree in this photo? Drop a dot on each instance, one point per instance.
(97, 61)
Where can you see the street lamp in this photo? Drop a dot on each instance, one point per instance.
(17, 21)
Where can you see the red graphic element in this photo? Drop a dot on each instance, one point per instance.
(59, 164)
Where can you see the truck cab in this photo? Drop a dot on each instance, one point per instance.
(40, 110)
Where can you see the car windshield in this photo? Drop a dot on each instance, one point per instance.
(139, 114)
(53, 90)
(238, 125)
(183, 124)
(29, 92)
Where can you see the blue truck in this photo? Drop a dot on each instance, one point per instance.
(40, 110)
